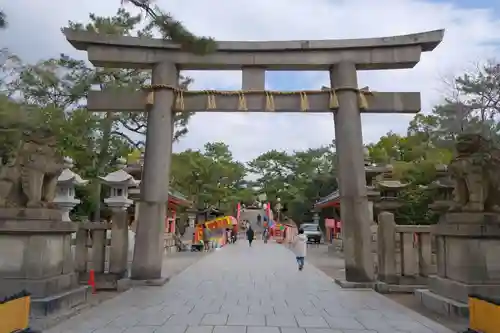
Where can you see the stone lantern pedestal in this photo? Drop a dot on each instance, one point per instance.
(118, 201)
(191, 215)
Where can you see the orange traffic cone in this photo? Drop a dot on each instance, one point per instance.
(92, 280)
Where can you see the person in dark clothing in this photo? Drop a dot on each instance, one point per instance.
(259, 219)
(206, 238)
(233, 235)
(250, 235)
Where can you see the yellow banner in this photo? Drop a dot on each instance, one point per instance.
(219, 223)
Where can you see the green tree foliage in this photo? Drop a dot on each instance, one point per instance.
(3, 20)
(298, 179)
(210, 177)
(57, 88)
(472, 107)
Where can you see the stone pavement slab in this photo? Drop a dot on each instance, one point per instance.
(249, 290)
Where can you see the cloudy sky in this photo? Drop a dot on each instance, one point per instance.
(472, 34)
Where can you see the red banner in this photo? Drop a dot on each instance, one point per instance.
(330, 223)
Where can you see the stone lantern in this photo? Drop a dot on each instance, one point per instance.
(277, 208)
(372, 171)
(443, 186)
(389, 188)
(119, 182)
(65, 195)
(315, 213)
(191, 215)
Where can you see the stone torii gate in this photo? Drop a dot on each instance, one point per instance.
(342, 58)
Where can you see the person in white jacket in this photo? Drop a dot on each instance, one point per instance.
(300, 248)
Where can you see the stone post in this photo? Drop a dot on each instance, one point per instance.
(118, 257)
(352, 182)
(386, 251)
(148, 250)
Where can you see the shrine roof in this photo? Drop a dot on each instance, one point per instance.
(391, 184)
(179, 196)
(376, 168)
(334, 196)
(174, 196)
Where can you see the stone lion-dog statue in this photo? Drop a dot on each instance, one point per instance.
(476, 172)
(28, 179)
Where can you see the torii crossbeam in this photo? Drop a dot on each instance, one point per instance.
(318, 101)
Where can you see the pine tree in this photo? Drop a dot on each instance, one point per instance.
(3, 20)
(174, 30)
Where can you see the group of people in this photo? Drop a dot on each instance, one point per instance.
(231, 236)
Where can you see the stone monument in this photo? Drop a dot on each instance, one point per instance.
(468, 235)
(35, 243)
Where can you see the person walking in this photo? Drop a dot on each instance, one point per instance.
(259, 219)
(250, 235)
(265, 235)
(299, 245)
(206, 238)
(234, 234)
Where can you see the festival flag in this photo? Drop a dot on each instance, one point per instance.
(238, 211)
(268, 213)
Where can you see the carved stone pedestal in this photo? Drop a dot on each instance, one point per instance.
(467, 251)
(35, 255)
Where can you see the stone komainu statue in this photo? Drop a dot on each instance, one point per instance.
(29, 177)
(476, 172)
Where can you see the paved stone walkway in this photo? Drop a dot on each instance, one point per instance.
(249, 290)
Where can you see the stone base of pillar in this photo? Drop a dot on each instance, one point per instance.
(61, 302)
(354, 285)
(467, 246)
(35, 255)
(390, 288)
(103, 281)
(459, 291)
(440, 304)
(124, 284)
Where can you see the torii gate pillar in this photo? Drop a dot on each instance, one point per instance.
(351, 176)
(148, 251)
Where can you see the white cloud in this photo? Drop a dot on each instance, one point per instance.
(469, 37)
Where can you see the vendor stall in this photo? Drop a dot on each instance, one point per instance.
(217, 227)
(283, 233)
